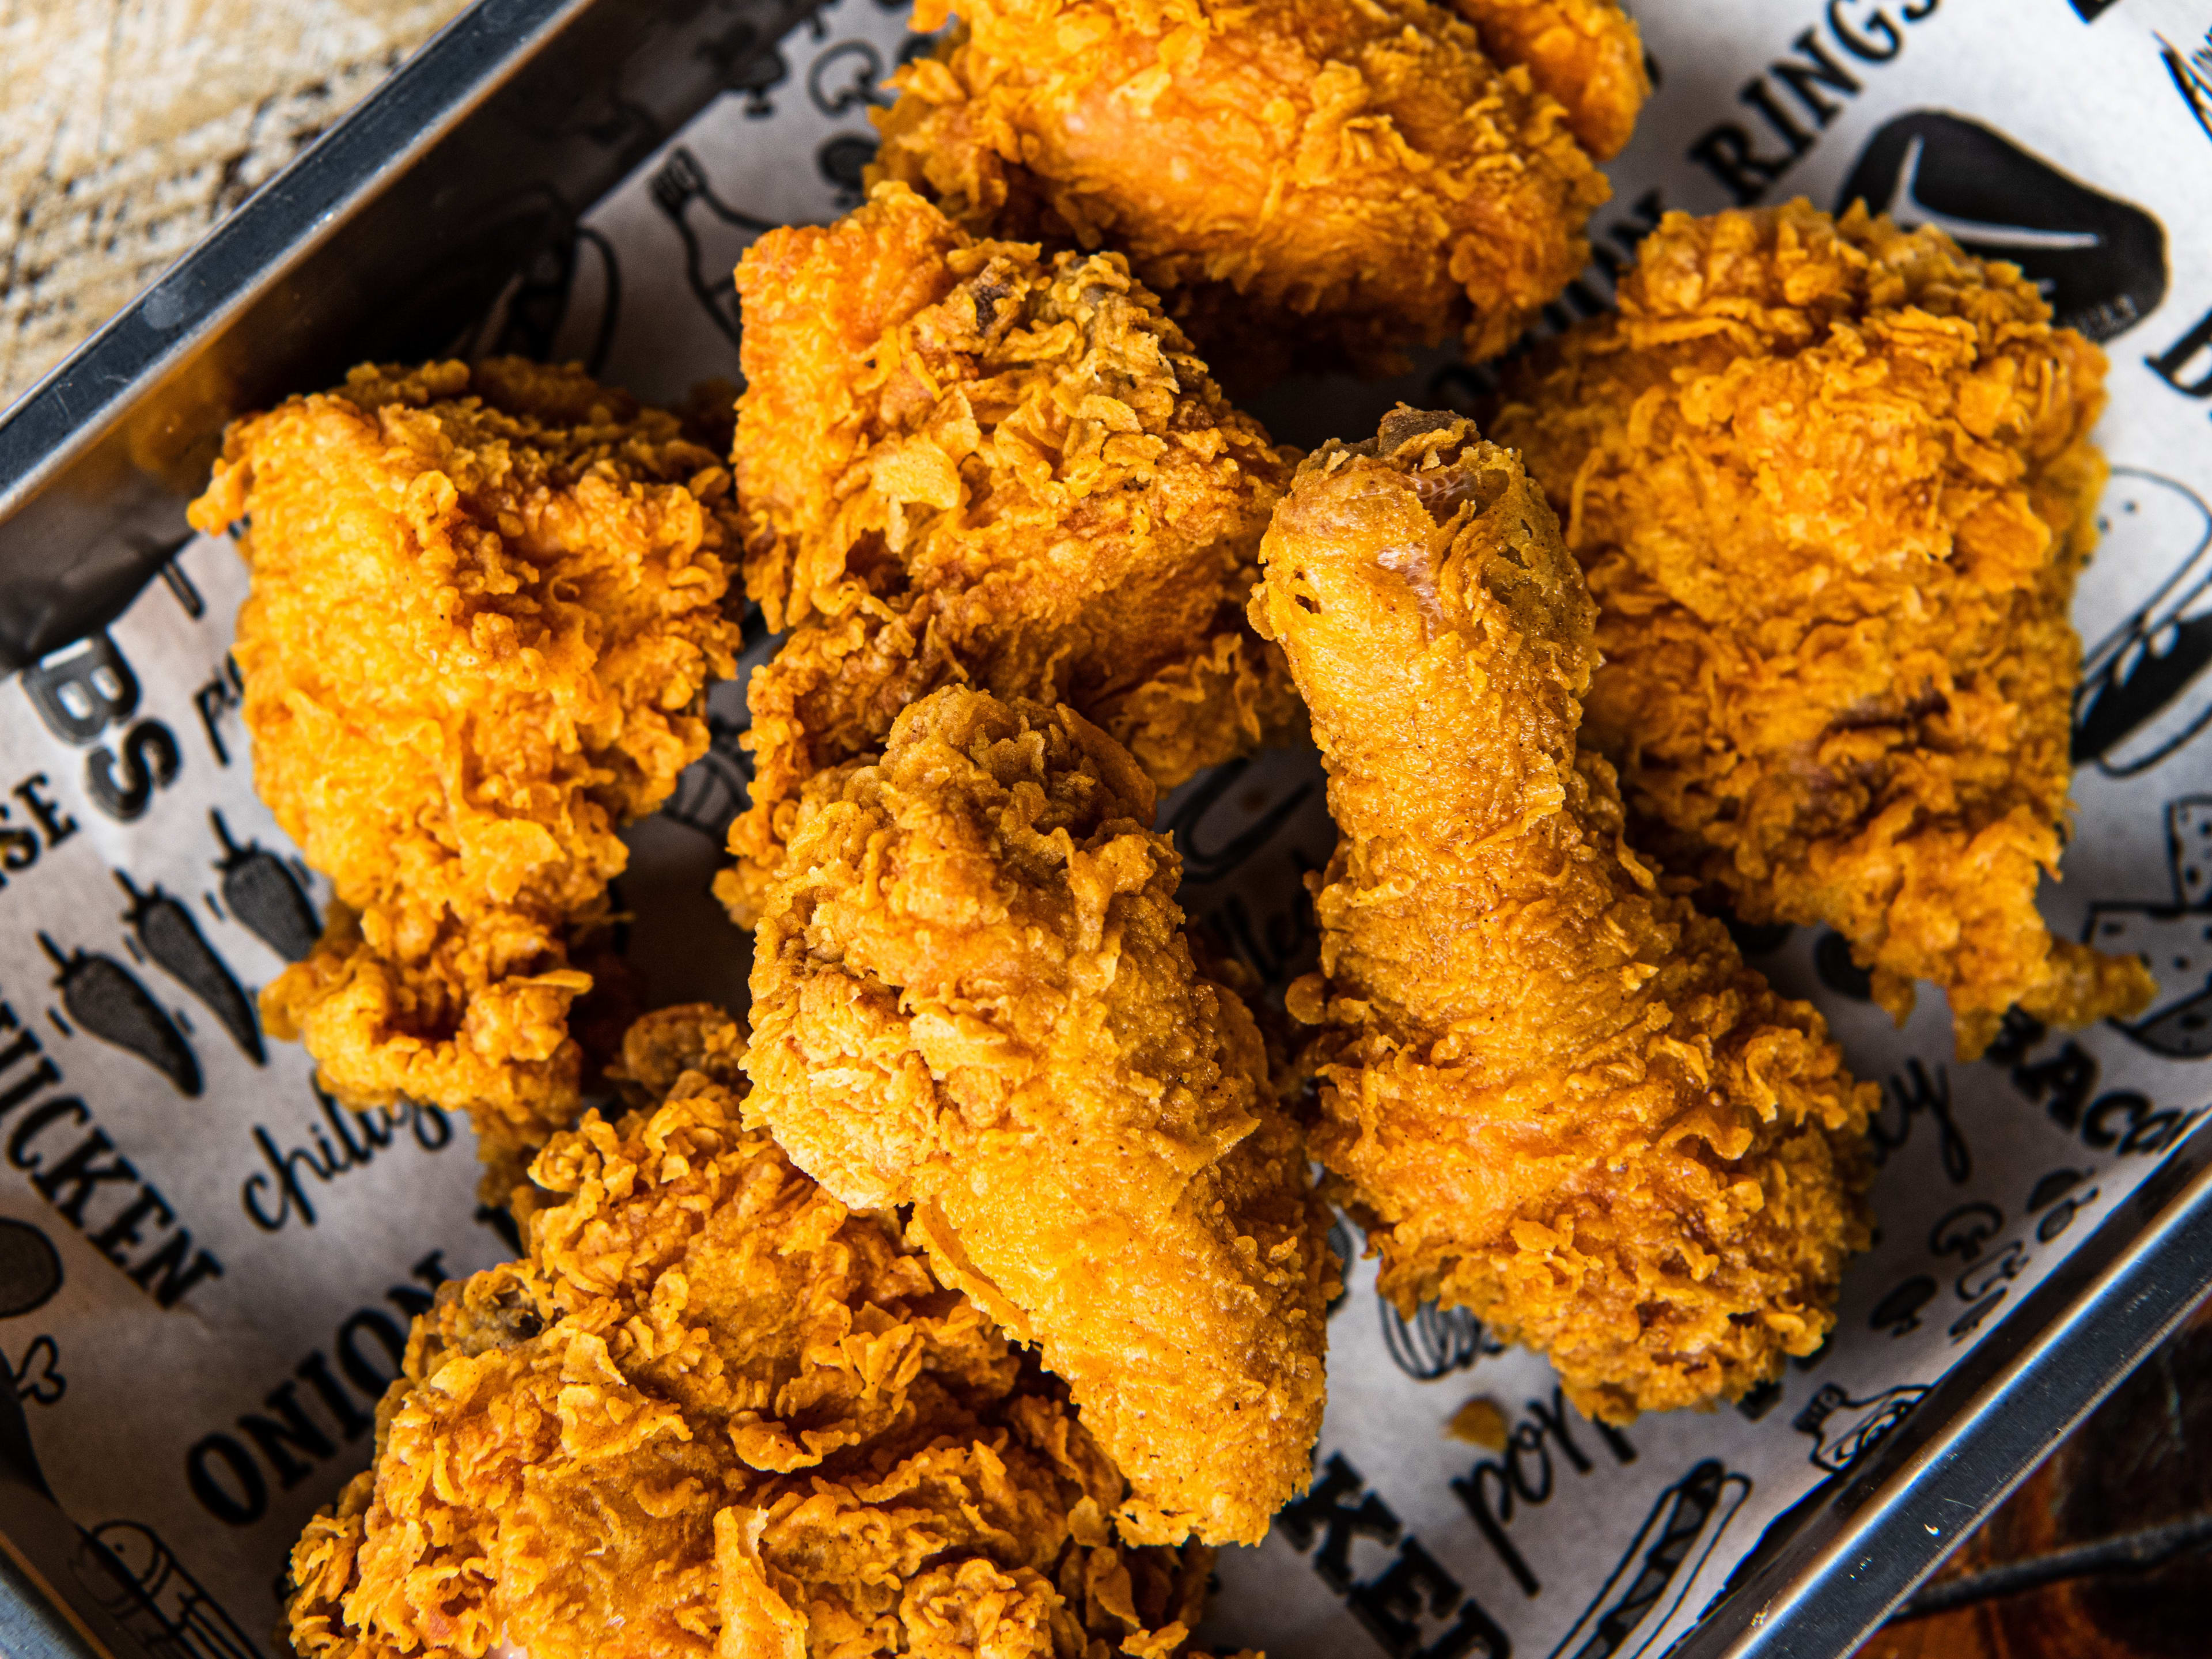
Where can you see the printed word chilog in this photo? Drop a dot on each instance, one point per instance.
(342, 1142)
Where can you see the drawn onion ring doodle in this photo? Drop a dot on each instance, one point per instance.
(1435, 1342)
(1685, 1524)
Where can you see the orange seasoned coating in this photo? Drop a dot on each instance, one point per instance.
(714, 1413)
(1316, 180)
(1586, 54)
(961, 462)
(972, 994)
(1831, 484)
(1550, 1088)
(484, 609)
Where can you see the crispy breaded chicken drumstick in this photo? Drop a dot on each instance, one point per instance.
(1300, 179)
(1551, 1089)
(1832, 485)
(485, 604)
(960, 462)
(714, 1412)
(972, 994)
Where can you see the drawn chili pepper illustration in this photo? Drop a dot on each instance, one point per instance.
(265, 895)
(107, 999)
(167, 933)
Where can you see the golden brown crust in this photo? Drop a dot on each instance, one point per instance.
(714, 1412)
(1586, 54)
(485, 607)
(962, 462)
(1553, 1090)
(1357, 174)
(972, 994)
(1832, 485)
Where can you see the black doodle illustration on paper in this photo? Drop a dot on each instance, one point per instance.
(30, 1268)
(842, 161)
(713, 789)
(1964, 1233)
(1660, 1564)
(164, 930)
(679, 185)
(1343, 1247)
(747, 69)
(2144, 691)
(1845, 1429)
(1203, 862)
(2192, 75)
(1759, 1399)
(181, 589)
(2058, 1199)
(136, 1578)
(38, 1374)
(106, 1001)
(1831, 961)
(1435, 1341)
(537, 303)
(1916, 1092)
(1899, 1312)
(2174, 938)
(2099, 261)
(262, 892)
(848, 76)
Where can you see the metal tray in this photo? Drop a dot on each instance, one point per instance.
(389, 238)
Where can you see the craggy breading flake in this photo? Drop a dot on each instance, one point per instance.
(972, 994)
(960, 462)
(1551, 1089)
(715, 1412)
(484, 609)
(1302, 179)
(1832, 484)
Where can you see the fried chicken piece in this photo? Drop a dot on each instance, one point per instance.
(714, 1412)
(1586, 54)
(1335, 177)
(1551, 1088)
(961, 462)
(484, 609)
(972, 994)
(1832, 484)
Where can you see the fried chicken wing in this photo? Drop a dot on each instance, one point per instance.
(1551, 1088)
(1832, 485)
(1317, 179)
(972, 993)
(961, 462)
(485, 607)
(714, 1412)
